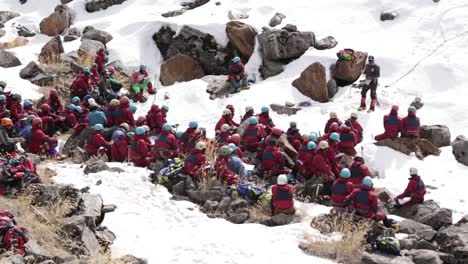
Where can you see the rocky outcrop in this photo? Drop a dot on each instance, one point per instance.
(88, 48)
(242, 37)
(454, 240)
(97, 5)
(421, 147)
(460, 149)
(385, 259)
(347, 72)
(439, 135)
(312, 83)
(7, 15)
(36, 74)
(180, 68)
(98, 35)
(57, 22)
(326, 43)
(95, 165)
(421, 230)
(276, 19)
(51, 52)
(8, 60)
(428, 213)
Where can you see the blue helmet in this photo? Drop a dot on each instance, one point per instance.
(345, 173)
(133, 108)
(179, 134)
(335, 137)
(27, 103)
(193, 124)
(98, 127)
(2, 97)
(71, 107)
(78, 109)
(253, 120)
(165, 108)
(235, 60)
(140, 130)
(87, 97)
(86, 70)
(265, 109)
(167, 127)
(313, 137)
(117, 134)
(311, 145)
(232, 147)
(367, 181)
(75, 100)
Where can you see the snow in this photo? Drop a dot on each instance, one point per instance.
(421, 53)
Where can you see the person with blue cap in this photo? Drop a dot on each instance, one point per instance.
(140, 153)
(81, 86)
(340, 189)
(364, 201)
(265, 119)
(166, 145)
(237, 75)
(304, 161)
(95, 144)
(294, 136)
(253, 135)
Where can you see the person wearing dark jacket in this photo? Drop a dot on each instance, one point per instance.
(341, 188)
(372, 73)
(282, 197)
(8, 144)
(410, 124)
(415, 190)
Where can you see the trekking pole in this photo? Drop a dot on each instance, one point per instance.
(362, 151)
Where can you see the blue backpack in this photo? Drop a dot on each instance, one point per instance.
(246, 190)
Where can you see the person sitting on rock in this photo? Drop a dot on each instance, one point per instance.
(333, 119)
(235, 139)
(249, 112)
(114, 83)
(123, 114)
(222, 138)
(139, 149)
(226, 118)
(7, 143)
(253, 135)
(305, 158)
(26, 130)
(265, 120)
(353, 123)
(141, 81)
(364, 201)
(233, 114)
(165, 145)
(81, 86)
(340, 189)
(372, 73)
(358, 171)
(41, 143)
(392, 125)
(100, 61)
(222, 170)
(55, 102)
(237, 75)
(348, 141)
(96, 144)
(294, 136)
(415, 190)
(282, 197)
(96, 116)
(195, 162)
(410, 124)
(273, 162)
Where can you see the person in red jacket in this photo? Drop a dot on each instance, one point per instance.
(294, 136)
(282, 197)
(340, 189)
(55, 102)
(165, 145)
(190, 137)
(222, 138)
(415, 190)
(233, 114)
(81, 86)
(123, 114)
(225, 119)
(28, 108)
(111, 111)
(237, 75)
(49, 119)
(235, 139)
(141, 81)
(321, 164)
(332, 152)
(358, 171)
(253, 135)
(355, 126)
(40, 142)
(96, 144)
(16, 108)
(139, 150)
(333, 119)
(410, 124)
(151, 117)
(334, 128)
(265, 120)
(13, 238)
(223, 173)
(70, 116)
(249, 112)
(160, 119)
(392, 125)
(364, 201)
(195, 162)
(273, 162)
(305, 159)
(348, 140)
(95, 76)
(100, 60)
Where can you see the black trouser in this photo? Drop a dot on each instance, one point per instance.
(373, 88)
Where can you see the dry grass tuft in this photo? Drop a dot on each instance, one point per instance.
(86, 59)
(260, 213)
(46, 174)
(17, 42)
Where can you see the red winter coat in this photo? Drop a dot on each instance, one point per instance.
(348, 141)
(160, 120)
(15, 239)
(340, 189)
(194, 163)
(119, 149)
(38, 139)
(110, 113)
(236, 70)
(124, 115)
(139, 151)
(304, 161)
(225, 119)
(329, 122)
(166, 146)
(188, 139)
(247, 116)
(358, 172)
(253, 135)
(410, 126)
(81, 85)
(222, 138)
(55, 104)
(357, 128)
(392, 126)
(273, 161)
(70, 118)
(415, 189)
(100, 61)
(16, 111)
(294, 137)
(223, 172)
(95, 141)
(322, 166)
(264, 119)
(282, 199)
(151, 116)
(364, 201)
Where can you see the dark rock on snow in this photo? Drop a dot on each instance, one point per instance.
(424, 256)
(420, 146)
(51, 52)
(417, 103)
(384, 259)
(210, 206)
(31, 70)
(312, 83)
(99, 35)
(276, 19)
(8, 60)
(439, 135)
(326, 43)
(384, 16)
(460, 149)
(347, 72)
(97, 5)
(186, 6)
(180, 68)
(423, 231)
(284, 110)
(71, 34)
(332, 88)
(7, 15)
(25, 32)
(56, 22)
(454, 240)
(129, 259)
(428, 213)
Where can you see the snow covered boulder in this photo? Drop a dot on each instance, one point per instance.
(99, 35)
(276, 19)
(51, 52)
(312, 83)
(7, 15)
(242, 37)
(180, 68)
(460, 149)
(428, 213)
(218, 86)
(97, 5)
(88, 49)
(326, 43)
(8, 60)
(347, 72)
(56, 22)
(420, 146)
(439, 135)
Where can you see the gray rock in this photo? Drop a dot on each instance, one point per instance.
(105, 236)
(424, 256)
(52, 51)
(108, 208)
(174, 13)
(384, 259)
(129, 259)
(8, 60)
(210, 206)
(201, 197)
(439, 135)
(290, 28)
(281, 219)
(289, 104)
(89, 47)
(326, 43)
(384, 16)
(43, 79)
(43, 195)
(276, 19)
(423, 244)
(409, 242)
(99, 35)
(237, 15)
(91, 205)
(223, 205)
(332, 88)
(281, 44)
(189, 5)
(90, 242)
(284, 110)
(428, 213)
(87, 28)
(417, 103)
(97, 5)
(239, 217)
(31, 70)
(71, 34)
(25, 32)
(7, 15)
(454, 240)
(218, 86)
(36, 250)
(2, 33)
(65, 1)
(270, 68)
(447, 258)
(2, 25)
(412, 227)
(460, 149)
(179, 189)
(239, 203)
(95, 166)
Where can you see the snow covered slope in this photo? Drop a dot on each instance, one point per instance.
(421, 53)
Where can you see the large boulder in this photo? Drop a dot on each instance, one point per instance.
(218, 85)
(8, 60)
(454, 240)
(326, 43)
(421, 147)
(56, 22)
(460, 149)
(180, 68)
(384, 259)
(347, 72)
(313, 83)
(52, 51)
(424, 256)
(242, 37)
(439, 135)
(276, 19)
(332, 88)
(91, 205)
(99, 35)
(97, 5)
(409, 226)
(7, 15)
(89, 47)
(31, 70)
(428, 213)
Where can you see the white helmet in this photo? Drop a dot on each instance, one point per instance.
(282, 180)
(226, 112)
(333, 115)
(248, 108)
(323, 144)
(225, 128)
(354, 115)
(201, 145)
(413, 171)
(147, 129)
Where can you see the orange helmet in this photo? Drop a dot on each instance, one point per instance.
(6, 122)
(235, 139)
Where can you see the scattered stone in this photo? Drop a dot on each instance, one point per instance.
(289, 104)
(105, 236)
(284, 110)
(417, 103)
(454, 240)
(129, 259)
(57, 22)
(460, 149)
(99, 35)
(312, 83)
(237, 15)
(238, 203)
(2, 25)
(8, 60)
(439, 135)
(242, 37)
(201, 197)
(423, 231)
(95, 166)
(409, 242)
(186, 6)
(36, 250)
(223, 206)
(421, 147)
(2, 33)
(179, 189)
(90, 242)
(281, 219)
(384, 16)
(347, 72)
(422, 256)
(180, 68)
(428, 213)
(326, 43)
(42, 79)
(97, 5)
(25, 32)
(91, 205)
(31, 70)
(71, 34)
(332, 88)
(52, 51)
(7, 15)
(423, 244)
(239, 217)
(210, 206)
(290, 28)
(276, 19)
(384, 259)
(108, 208)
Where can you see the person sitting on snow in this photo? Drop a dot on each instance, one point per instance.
(140, 82)
(348, 140)
(355, 126)
(237, 75)
(340, 189)
(410, 124)
(114, 83)
(195, 162)
(165, 145)
(415, 190)
(322, 166)
(364, 202)
(333, 119)
(282, 197)
(233, 114)
(139, 149)
(294, 136)
(123, 114)
(95, 143)
(392, 125)
(273, 162)
(305, 157)
(265, 119)
(226, 118)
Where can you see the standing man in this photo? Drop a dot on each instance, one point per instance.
(372, 72)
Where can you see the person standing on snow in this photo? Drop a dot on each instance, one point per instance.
(372, 73)
(415, 190)
(237, 76)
